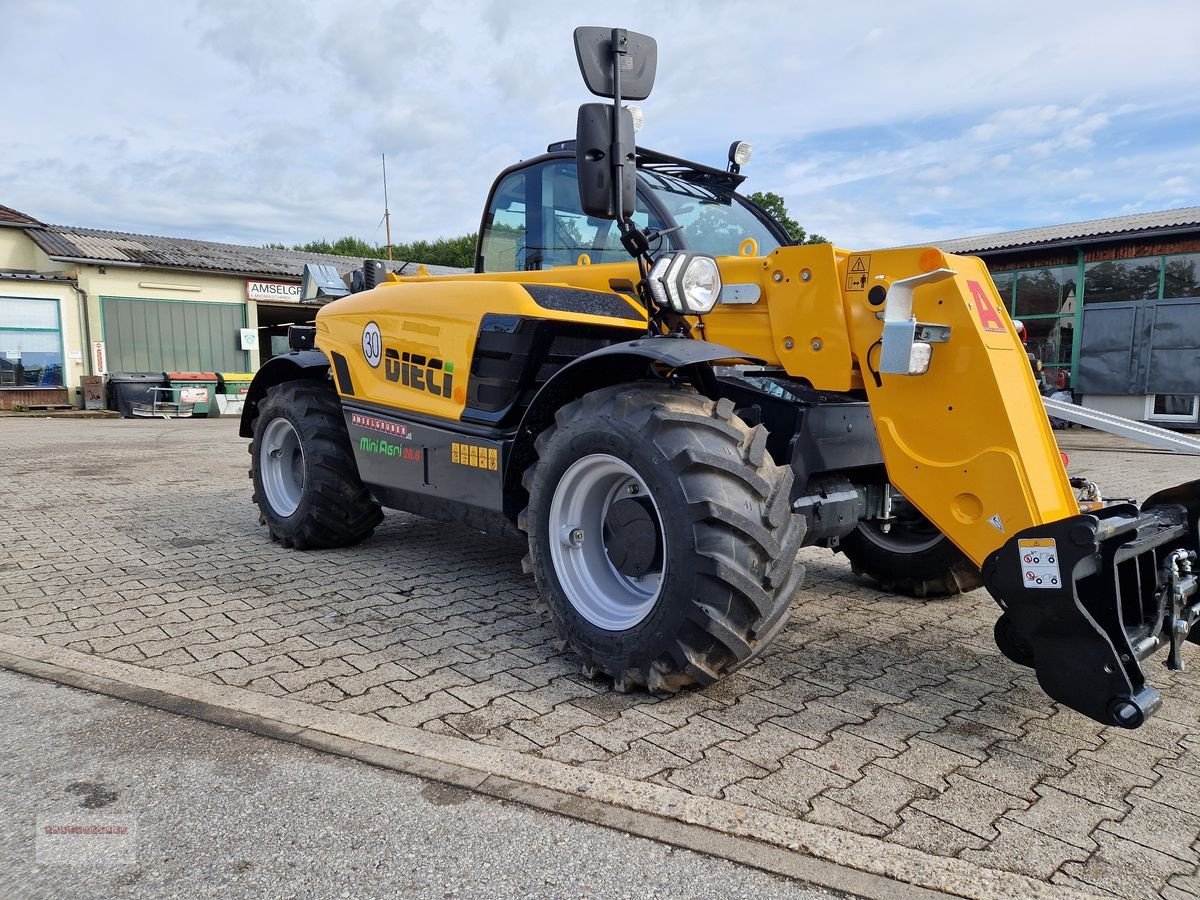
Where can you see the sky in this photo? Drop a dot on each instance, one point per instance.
(880, 123)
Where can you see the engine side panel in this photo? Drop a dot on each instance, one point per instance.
(409, 345)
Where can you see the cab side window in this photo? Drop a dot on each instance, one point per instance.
(535, 223)
(504, 247)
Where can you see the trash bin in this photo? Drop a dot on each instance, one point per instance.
(196, 388)
(128, 388)
(234, 384)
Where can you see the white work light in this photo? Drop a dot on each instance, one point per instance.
(688, 283)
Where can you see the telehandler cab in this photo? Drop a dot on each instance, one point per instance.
(647, 382)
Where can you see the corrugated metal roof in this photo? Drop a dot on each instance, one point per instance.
(116, 247)
(34, 276)
(10, 216)
(1141, 223)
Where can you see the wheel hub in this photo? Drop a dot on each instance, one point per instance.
(609, 547)
(632, 538)
(281, 467)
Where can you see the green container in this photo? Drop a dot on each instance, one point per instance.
(234, 384)
(196, 388)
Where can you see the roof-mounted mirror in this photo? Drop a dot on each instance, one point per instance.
(638, 61)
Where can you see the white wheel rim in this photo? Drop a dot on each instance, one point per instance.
(281, 467)
(583, 500)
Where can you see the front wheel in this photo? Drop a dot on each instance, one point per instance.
(910, 556)
(306, 481)
(660, 535)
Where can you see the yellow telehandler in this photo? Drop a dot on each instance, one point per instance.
(650, 384)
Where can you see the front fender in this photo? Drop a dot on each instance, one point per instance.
(615, 364)
(278, 369)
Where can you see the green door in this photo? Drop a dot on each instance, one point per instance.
(173, 335)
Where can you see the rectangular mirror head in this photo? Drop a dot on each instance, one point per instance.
(593, 49)
(593, 143)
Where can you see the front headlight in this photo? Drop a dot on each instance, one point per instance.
(686, 282)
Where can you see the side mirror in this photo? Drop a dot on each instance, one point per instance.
(639, 61)
(594, 141)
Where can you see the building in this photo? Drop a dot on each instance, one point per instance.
(1111, 306)
(79, 301)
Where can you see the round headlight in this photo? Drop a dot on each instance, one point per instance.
(686, 282)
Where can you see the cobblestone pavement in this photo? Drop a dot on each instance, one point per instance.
(876, 714)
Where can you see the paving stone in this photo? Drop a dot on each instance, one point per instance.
(375, 699)
(299, 679)
(1012, 773)
(837, 815)
(928, 763)
(561, 690)
(222, 661)
(503, 711)
(890, 728)
(481, 693)
(768, 746)
(679, 709)
(434, 706)
(870, 713)
(1023, 850)
(573, 749)
(922, 831)
(794, 785)
(1101, 784)
(243, 675)
(385, 673)
(1065, 816)
(880, 795)
(1161, 827)
(1129, 870)
(714, 772)
(1182, 887)
(546, 729)
(972, 806)
(642, 760)
(615, 736)
(420, 688)
(846, 754)
(691, 740)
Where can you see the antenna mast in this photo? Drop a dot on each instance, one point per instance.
(387, 219)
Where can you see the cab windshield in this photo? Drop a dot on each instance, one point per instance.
(712, 221)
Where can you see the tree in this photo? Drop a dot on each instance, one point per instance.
(456, 251)
(775, 207)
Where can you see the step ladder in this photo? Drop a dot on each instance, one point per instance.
(1162, 438)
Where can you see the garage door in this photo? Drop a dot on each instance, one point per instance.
(173, 335)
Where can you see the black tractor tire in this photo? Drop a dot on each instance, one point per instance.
(726, 533)
(929, 565)
(334, 507)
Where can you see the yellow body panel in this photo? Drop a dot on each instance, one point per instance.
(968, 442)
(435, 318)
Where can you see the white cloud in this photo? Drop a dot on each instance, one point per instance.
(265, 121)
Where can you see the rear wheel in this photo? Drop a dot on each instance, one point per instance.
(306, 481)
(910, 557)
(660, 535)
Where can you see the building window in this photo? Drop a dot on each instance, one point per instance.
(1172, 407)
(1004, 287)
(30, 343)
(1121, 279)
(1180, 276)
(1046, 292)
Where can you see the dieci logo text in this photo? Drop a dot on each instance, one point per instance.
(415, 371)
